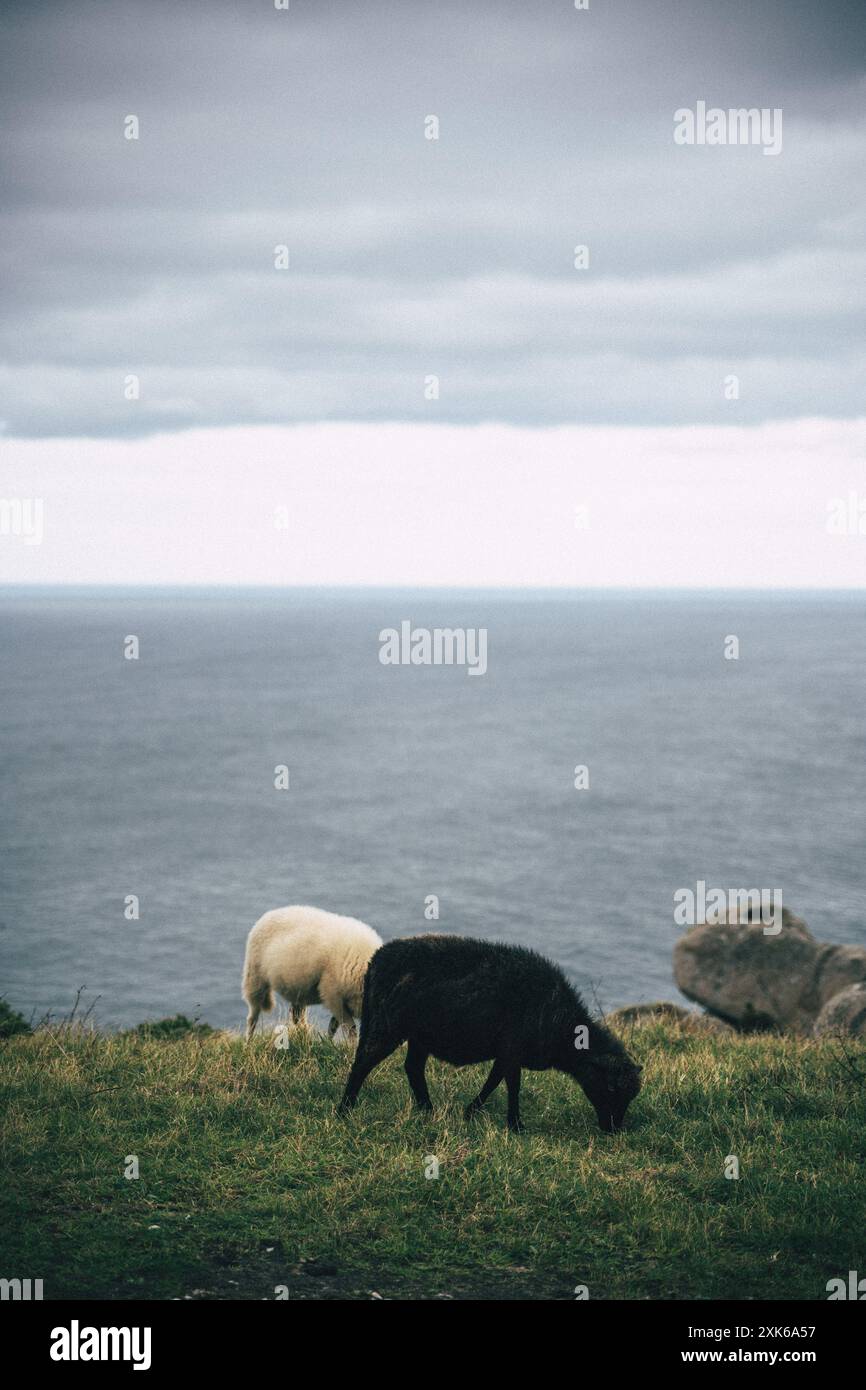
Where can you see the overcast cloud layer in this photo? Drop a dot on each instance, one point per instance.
(411, 257)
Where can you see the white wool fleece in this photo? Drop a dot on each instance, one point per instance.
(308, 956)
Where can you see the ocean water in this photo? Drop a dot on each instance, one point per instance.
(155, 777)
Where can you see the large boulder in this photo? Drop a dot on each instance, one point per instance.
(844, 1014)
(760, 981)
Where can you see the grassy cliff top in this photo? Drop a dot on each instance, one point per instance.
(249, 1183)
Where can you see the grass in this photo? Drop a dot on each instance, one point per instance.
(249, 1182)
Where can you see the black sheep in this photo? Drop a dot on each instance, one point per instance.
(464, 1001)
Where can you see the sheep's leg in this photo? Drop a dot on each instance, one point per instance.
(333, 1026)
(299, 1015)
(370, 1053)
(258, 1002)
(496, 1074)
(512, 1081)
(416, 1061)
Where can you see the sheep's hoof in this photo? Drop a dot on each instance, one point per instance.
(470, 1110)
(516, 1126)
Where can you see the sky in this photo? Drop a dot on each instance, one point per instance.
(431, 382)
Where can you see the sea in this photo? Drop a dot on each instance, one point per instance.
(250, 748)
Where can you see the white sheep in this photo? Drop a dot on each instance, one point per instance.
(308, 956)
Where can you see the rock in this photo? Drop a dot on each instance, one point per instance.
(637, 1015)
(759, 981)
(844, 1014)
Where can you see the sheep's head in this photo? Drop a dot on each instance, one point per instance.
(610, 1082)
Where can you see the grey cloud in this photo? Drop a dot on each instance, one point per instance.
(411, 257)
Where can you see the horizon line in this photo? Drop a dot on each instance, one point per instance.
(11, 586)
